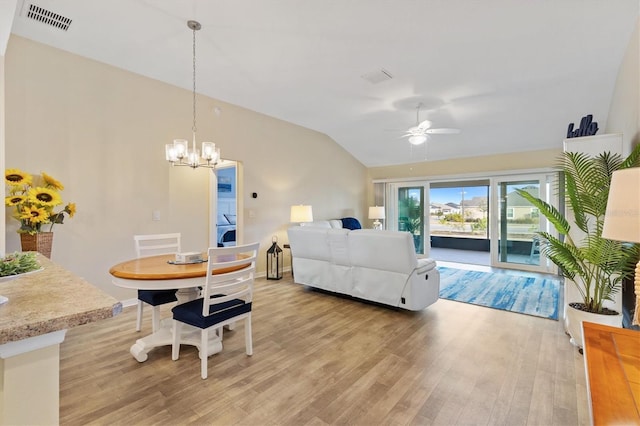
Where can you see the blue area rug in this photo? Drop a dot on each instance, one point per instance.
(515, 293)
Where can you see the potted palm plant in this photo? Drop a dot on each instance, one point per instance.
(596, 265)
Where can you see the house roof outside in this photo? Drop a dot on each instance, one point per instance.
(475, 202)
(516, 200)
(440, 206)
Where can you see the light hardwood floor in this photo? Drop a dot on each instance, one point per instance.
(320, 359)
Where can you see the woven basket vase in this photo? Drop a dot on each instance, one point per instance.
(40, 242)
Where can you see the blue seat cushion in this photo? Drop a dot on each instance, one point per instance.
(351, 223)
(157, 297)
(191, 312)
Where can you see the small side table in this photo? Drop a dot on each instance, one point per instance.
(287, 246)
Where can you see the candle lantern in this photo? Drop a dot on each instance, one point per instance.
(274, 261)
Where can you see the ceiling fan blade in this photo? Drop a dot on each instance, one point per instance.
(442, 131)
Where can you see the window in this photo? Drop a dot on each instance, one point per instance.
(459, 209)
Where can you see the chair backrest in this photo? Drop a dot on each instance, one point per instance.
(155, 244)
(230, 274)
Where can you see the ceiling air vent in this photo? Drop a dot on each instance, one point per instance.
(48, 17)
(376, 77)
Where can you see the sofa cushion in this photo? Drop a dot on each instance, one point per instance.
(386, 250)
(309, 242)
(338, 246)
(327, 224)
(351, 223)
(336, 223)
(317, 224)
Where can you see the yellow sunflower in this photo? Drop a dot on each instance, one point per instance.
(35, 214)
(51, 182)
(14, 200)
(34, 199)
(17, 177)
(71, 209)
(44, 196)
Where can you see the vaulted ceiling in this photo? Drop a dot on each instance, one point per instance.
(510, 74)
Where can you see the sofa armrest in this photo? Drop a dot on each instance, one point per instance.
(425, 264)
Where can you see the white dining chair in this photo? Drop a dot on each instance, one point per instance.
(153, 245)
(226, 298)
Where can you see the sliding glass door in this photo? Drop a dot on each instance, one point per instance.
(476, 216)
(513, 242)
(458, 214)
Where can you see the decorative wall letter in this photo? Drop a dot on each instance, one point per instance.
(587, 128)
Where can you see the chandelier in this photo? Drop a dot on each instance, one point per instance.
(179, 153)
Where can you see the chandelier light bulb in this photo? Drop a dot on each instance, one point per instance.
(181, 146)
(170, 153)
(208, 150)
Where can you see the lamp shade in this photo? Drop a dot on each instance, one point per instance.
(376, 212)
(301, 214)
(622, 218)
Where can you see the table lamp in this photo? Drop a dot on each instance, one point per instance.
(301, 214)
(376, 213)
(622, 218)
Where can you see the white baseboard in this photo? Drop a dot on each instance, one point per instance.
(129, 302)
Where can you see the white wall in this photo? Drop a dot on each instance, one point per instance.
(625, 103)
(101, 132)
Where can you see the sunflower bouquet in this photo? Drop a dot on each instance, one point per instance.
(34, 199)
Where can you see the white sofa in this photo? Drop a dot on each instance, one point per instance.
(376, 265)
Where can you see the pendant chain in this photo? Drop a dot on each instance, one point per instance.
(194, 81)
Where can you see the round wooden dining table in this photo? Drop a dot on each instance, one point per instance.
(161, 273)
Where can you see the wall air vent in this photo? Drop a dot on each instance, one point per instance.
(48, 17)
(376, 77)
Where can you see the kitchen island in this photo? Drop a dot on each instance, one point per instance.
(41, 307)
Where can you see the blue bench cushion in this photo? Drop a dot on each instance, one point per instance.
(191, 312)
(157, 297)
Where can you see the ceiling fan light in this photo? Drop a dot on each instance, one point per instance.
(417, 139)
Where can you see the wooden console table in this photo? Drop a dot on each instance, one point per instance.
(612, 363)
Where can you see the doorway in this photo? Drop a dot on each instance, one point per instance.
(226, 218)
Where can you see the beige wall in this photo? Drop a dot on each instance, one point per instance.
(2, 155)
(101, 132)
(471, 165)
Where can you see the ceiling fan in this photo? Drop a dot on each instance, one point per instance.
(418, 134)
